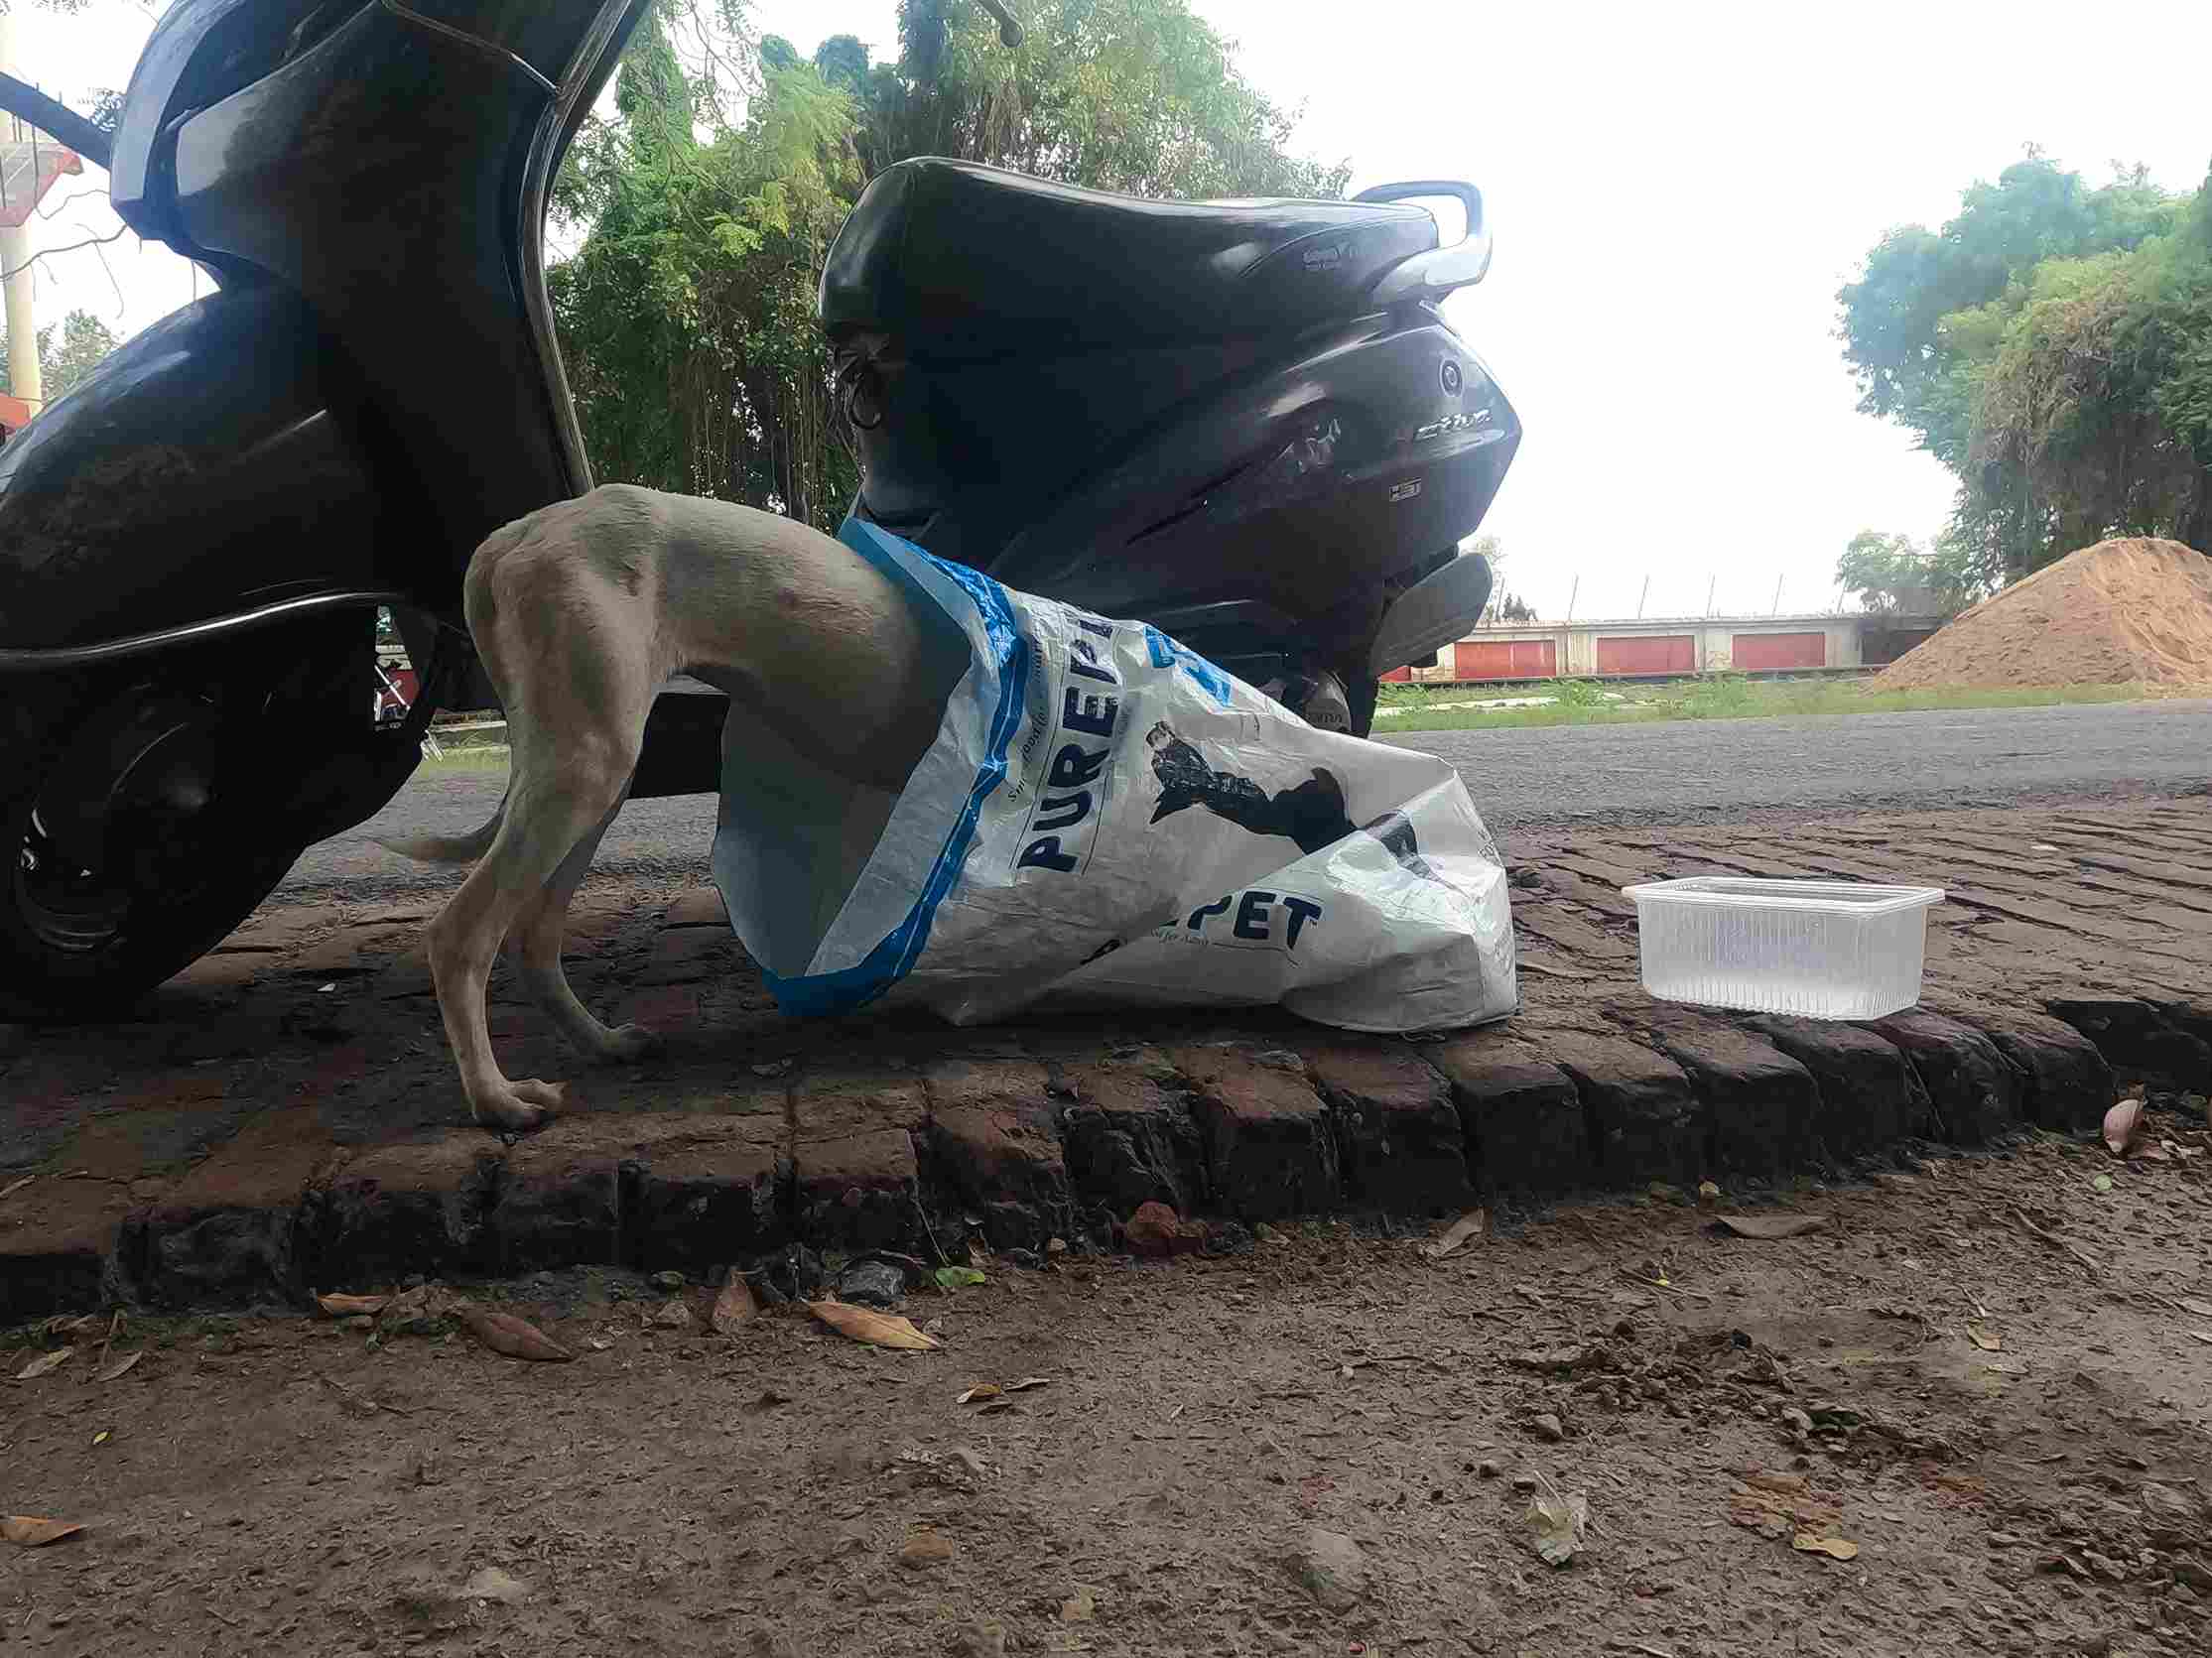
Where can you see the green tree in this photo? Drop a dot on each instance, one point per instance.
(63, 361)
(2046, 346)
(1893, 575)
(688, 314)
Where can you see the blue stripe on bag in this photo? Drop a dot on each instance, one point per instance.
(811, 995)
(1167, 652)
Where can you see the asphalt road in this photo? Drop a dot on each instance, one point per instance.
(1691, 771)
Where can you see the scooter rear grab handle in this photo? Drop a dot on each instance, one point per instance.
(1432, 274)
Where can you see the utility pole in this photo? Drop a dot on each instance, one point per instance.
(1777, 605)
(1571, 593)
(1646, 593)
(1709, 589)
(15, 259)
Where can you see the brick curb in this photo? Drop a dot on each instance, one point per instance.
(1022, 1149)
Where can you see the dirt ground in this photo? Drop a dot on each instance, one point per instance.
(2007, 1387)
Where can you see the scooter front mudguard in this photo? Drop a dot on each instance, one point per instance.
(200, 475)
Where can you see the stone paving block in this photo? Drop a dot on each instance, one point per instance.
(228, 1231)
(354, 949)
(668, 1009)
(994, 1143)
(422, 1205)
(56, 1237)
(700, 1192)
(1525, 1123)
(1757, 1103)
(2065, 1084)
(407, 973)
(687, 955)
(2136, 1039)
(828, 1105)
(1869, 1097)
(860, 1190)
(1972, 1091)
(1645, 1123)
(560, 1201)
(223, 971)
(1130, 1137)
(1399, 1132)
(155, 1127)
(1271, 1151)
(700, 906)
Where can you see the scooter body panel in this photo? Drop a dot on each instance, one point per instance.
(200, 471)
(1267, 495)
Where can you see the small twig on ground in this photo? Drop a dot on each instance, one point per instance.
(1665, 1289)
(2080, 1254)
(930, 1232)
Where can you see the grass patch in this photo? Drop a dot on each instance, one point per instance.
(481, 757)
(1710, 697)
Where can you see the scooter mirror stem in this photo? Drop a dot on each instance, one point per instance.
(1009, 32)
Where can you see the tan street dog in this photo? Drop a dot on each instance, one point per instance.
(580, 612)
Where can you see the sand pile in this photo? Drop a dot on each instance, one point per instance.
(2124, 611)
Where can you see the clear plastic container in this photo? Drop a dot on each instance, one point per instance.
(1824, 949)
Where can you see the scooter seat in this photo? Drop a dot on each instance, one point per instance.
(955, 260)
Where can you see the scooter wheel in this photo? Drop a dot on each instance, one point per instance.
(118, 866)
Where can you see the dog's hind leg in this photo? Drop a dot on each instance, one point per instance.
(562, 794)
(535, 946)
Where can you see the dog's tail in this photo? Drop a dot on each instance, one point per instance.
(447, 848)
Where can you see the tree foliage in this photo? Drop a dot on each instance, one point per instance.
(2052, 347)
(687, 315)
(67, 351)
(1504, 605)
(1893, 575)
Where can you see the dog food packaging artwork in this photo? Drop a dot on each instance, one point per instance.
(1106, 817)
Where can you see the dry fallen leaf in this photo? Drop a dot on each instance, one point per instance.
(2202, 1309)
(1027, 1382)
(2122, 1124)
(346, 1306)
(1839, 1548)
(504, 1332)
(981, 1391)
(732, 1307)
(882, 1329)
(1558, 1521)
(1467, 1228)
(1983, 1338)
(1777, 1504)
(1774, 1225)
(40, 1366)
(29, 1532)
(122, 1365)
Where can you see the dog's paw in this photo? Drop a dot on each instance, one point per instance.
(523, 1106)
(630, 1042)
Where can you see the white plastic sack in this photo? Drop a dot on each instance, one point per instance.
(1107, 817)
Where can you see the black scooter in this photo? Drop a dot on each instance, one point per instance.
(1244, 422)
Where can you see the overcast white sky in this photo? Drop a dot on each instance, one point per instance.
(1676, 190)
